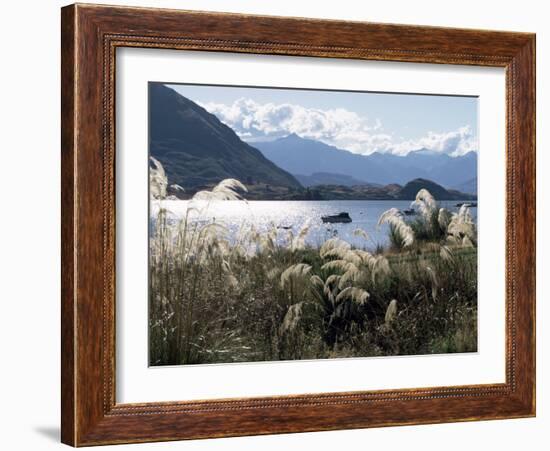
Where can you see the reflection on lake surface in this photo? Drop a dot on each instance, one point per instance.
(294, 214)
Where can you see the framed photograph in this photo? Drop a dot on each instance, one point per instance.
(279, 225)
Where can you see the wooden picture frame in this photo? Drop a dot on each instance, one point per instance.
(90, 36)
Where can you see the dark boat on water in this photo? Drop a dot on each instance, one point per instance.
(409, 212)
(340, 217)
(469, 204)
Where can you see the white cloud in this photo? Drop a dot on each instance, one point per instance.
(454, 143)
(339, 127)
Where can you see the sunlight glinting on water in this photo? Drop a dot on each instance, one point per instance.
(292, 215)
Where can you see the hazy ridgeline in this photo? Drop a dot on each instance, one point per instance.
(261, 298)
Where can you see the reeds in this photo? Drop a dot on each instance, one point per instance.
(401, 233)
(264, 296)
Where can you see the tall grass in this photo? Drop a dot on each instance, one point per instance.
(268, 296)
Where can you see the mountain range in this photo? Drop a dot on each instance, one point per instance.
(469, 186)
(306, 157)
(197, 150)
(392, 191)
(329, 178)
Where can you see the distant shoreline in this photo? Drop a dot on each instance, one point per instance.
(341, 192)
(463, 200)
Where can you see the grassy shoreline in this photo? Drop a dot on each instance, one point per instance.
(258, 318)
(263, 298)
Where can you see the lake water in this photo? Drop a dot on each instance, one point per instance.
(293, 214)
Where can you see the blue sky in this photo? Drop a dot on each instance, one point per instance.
(361, 122)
